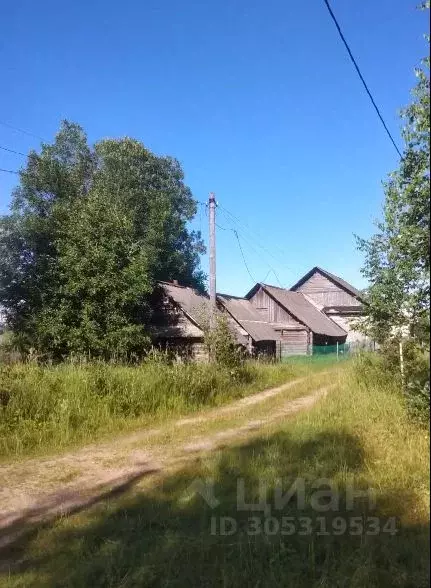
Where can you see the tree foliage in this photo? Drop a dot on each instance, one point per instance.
(221, 344)
(397, 257)
(90, 231)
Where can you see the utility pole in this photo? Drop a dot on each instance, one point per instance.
(211, 215)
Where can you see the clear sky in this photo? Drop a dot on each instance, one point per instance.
(258, 101)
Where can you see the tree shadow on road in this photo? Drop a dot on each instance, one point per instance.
(170, 535)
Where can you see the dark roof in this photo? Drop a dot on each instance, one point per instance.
(196, 307)
(339, 281)
(248, 317)
(298, 306)
(194, 304)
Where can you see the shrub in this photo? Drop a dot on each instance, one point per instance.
(222, 346)
(384, 368)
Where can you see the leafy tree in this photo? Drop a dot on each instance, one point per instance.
(397, 257)
(90, 231)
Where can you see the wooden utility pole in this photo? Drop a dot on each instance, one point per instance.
(211, 215)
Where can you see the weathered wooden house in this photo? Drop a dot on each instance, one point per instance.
(181, 316)
(317, 311)
(262, 337)
(334, 297)
(176, 323)
(298, 322)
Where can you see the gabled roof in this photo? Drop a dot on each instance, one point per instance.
(196, 307)
(243, 311)
(193, 304)
(299, 307)
(335, 279)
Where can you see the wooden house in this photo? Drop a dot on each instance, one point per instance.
(262, 337)
(176, 323)
(317, 311)
(298, 322)
(181, 315)
(334, 297)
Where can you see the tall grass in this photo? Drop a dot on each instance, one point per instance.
(369, 406)
(48, 407)
(160, 534)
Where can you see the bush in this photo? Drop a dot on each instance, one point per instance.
(418, 400)
(222, 346)
(384, 368)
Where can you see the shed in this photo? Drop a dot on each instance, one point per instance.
(301, 324)
(262, 336)
(178, 321)
(175, 322)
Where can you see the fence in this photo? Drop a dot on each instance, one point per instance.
(340, 350)
(328, 353)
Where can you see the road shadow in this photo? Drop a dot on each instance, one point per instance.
(68, 501)
(171, 535)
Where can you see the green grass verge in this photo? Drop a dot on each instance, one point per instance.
(46, 408)
(162, 536)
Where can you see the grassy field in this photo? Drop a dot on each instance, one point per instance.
(161, 533)
(46, 408)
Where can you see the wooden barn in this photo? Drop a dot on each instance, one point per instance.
(176, 320)
(180, 314)
(299, 323)
(317, 311)
(334, 297)
(262, 337)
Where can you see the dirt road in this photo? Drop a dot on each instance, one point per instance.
(41, 489)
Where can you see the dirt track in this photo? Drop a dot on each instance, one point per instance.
(41, 489)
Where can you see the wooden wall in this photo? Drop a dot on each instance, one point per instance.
(323, 292)
(271, 311)
(293, 342)
(185, 349)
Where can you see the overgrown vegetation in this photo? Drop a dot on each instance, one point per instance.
(221, 344)
(397, 257)
(416, 374)
(159, 532)
(43, 408)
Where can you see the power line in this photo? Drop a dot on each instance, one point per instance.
(271, 269)
(361, 77)
(8, 171)
(247, 240)
(240, 247)
(13, 151)
(278, 279)
(256, 241)
(223, 228)
(21, 130)
(253, 234)
(267, 274)
(243, 257)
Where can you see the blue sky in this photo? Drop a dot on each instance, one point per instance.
(257, 100)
